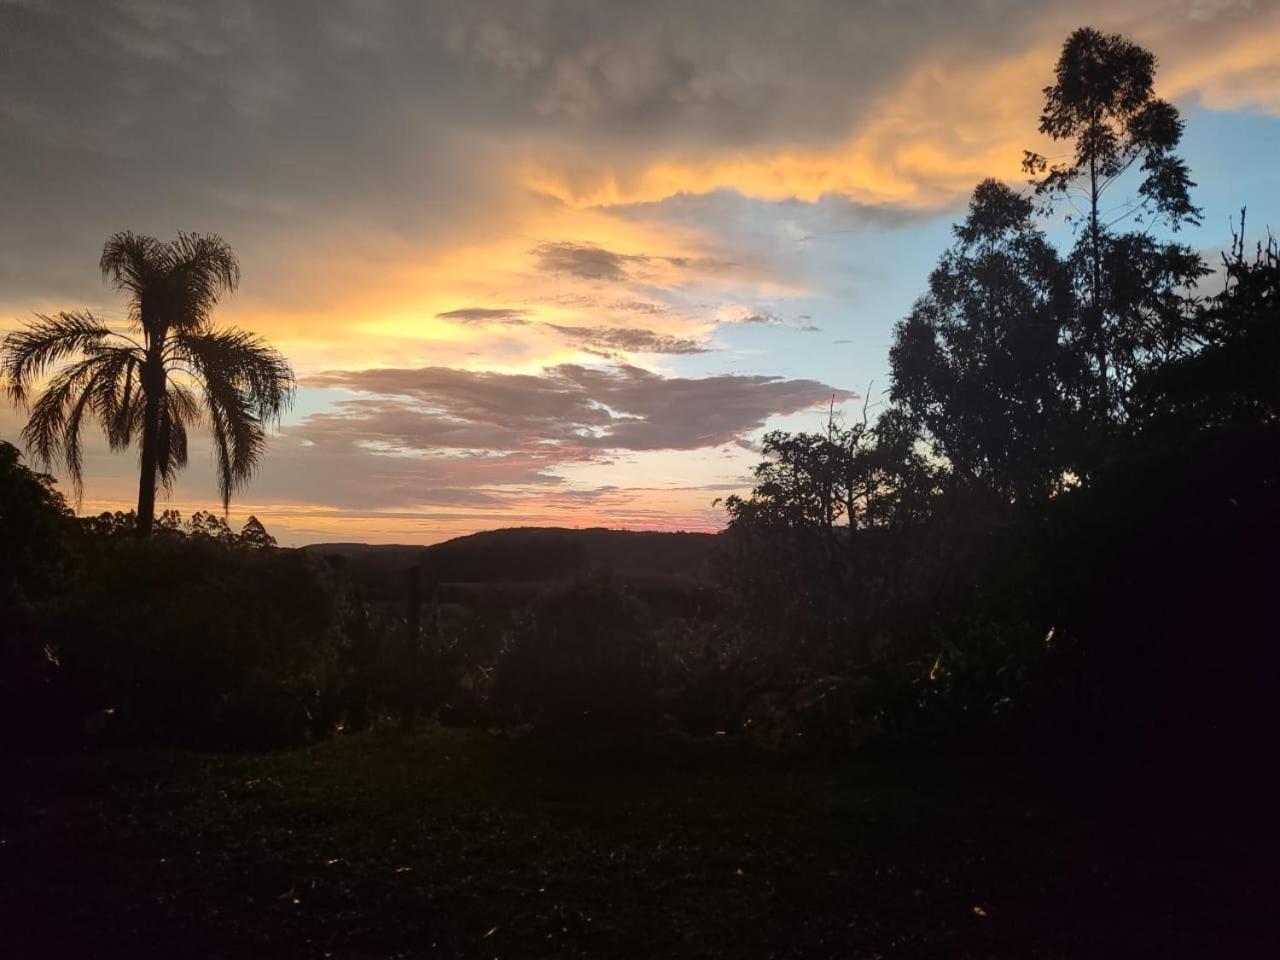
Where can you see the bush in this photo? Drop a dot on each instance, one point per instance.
(34, 519)
(200, 638)
(581, 655)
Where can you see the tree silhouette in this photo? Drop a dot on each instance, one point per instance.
(143, 387)
(851, 476)
(979, 361)
(1102, 100)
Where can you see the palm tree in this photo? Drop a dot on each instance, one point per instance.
(171, 371)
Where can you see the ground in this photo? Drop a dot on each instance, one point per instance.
(471, 844)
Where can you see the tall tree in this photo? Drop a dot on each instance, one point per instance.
(979, 362)
(172, 370)
(1103, 102)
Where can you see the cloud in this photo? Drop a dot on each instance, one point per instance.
(593, 262)
(384, 133)
(483, 315)
(566, 413)
(506, 187)
(629, 340)
(584, 260)
(766, 318)
(601, 340)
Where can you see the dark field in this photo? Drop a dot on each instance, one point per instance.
(452, 843)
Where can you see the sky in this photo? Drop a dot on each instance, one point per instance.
(557, 262)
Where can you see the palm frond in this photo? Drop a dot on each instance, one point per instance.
(238, 435)
(52, 433)
(171, 443)
(27, 354)
(246, 384)
(242, 360)
(121, 412)
(200, 269)
(184, 404)
(117, 401)
(132, 263)
(178, 411)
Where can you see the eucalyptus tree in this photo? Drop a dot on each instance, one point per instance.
(1134, 288)
(980, 362)
(172, 369)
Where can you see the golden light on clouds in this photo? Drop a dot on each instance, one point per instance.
(949, 125)
(953, 121)
(1243, 71)
(394, 307)
(671, 190)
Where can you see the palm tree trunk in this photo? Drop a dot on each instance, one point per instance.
(153, 388)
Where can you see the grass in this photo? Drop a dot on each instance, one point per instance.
(469, 844)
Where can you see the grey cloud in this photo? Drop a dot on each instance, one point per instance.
(830, 216)
(763, 318)
(341, 473)
(628, 340)
(601, 341)
(638, 306)
(593, 262)
(767, 318)
(728, 72)
(483, 315)
(567, 413)
(586, 260)
(293, 125)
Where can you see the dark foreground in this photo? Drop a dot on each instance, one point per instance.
(466, 844)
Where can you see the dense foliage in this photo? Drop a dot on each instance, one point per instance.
(1086, 451)
(1062, 529)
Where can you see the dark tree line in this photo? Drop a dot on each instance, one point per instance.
(1063, 527)
(1068, 510)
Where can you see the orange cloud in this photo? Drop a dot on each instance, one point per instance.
(1240, 71)
(390, 303)
(947, 126)
(954, 120)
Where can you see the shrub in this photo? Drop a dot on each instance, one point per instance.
(581, 655)
(199, 638)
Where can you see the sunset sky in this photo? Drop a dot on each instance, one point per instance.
(555, 262)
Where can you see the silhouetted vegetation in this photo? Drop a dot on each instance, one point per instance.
(1059, 537)
(181, 373)
(1018, 545)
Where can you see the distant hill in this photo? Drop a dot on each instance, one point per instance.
(529, 555)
